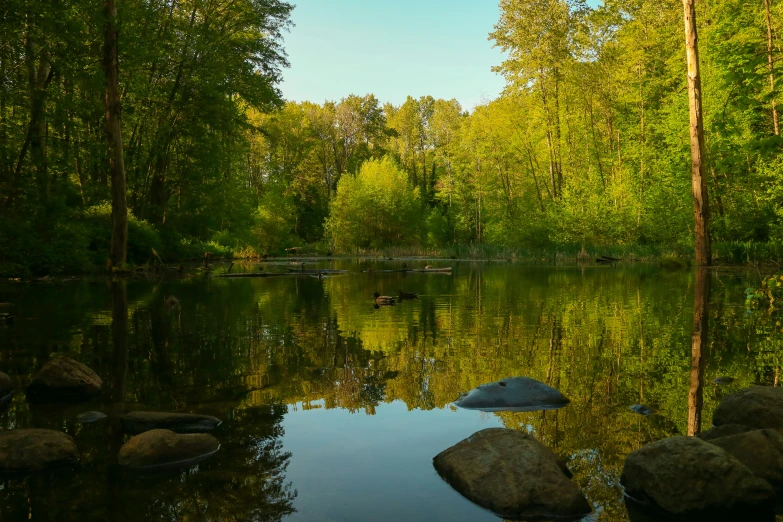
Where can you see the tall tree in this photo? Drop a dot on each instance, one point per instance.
(119, 204)
(701, 211)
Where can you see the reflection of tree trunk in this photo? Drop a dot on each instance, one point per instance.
(119, 330)
(698, 345)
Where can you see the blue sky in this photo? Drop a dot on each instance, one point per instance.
(392, 48)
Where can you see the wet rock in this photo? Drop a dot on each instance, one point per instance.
(512, 394)
(642, 409)
(90, 416)
(141, 421)
(163, 448)
(690, 478)
(511, 474)
(724, 431)
(761, 451)
(723, 380)
(34, 450)
(63, 378)
(7, 388)
(759, 407)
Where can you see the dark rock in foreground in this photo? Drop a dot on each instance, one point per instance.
(512, 394)
(141, 421)
(63, 378)
(34, 450)
(163, 448)
(687, 477)
(761, 451)
(759, 407)
(511, 474)
(725, 430)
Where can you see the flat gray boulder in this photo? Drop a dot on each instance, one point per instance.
(512, 394)
(724, 430)
(759, 407)
(761, 451)
(23, 451)
(141, 421)
(689, 478)
(157, 449)
(511, 474)
(64, 378)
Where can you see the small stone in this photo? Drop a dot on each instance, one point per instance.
(34, 450)
(90, 416)
(759, 407)
(141, 421)
(164, 448)
(642, 409)
(723, 380)
(512, 394)
(687, 477)
(511, 474)
(64, 378)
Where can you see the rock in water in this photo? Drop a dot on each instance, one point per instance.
(687, 477)
(642, 409)
(163, 448)
(511, 474)
(64, 378)
(723, 380)
(90, 416)
(761, 451)
(33, 450)
(6, 389)
(512, 394)
(759, 407)
(141, 421)
(723, 431)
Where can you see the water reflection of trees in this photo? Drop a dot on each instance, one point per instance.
(243, 350)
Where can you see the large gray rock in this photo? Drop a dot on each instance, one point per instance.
(760, 407)
(511, 474)
(725, 430)
(690, 478)
(64, 378)
(761, 451)
(141, 421)
(164, 448)
(512, 394)
(33, 450)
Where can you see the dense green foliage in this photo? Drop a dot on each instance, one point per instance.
(588, 144)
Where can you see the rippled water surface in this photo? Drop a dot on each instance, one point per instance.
(332, 410)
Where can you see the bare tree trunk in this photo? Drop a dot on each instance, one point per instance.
(771, 63)
(119, 204)
(701, 211)
(698, 346)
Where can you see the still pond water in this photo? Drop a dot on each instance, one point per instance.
(332, 410)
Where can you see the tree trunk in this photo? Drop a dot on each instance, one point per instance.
(771, 63)
(698, 346)
(119, 205)
(701, 211)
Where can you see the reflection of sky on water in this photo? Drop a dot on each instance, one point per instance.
(358, 467)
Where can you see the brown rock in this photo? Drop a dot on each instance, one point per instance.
(723, 431)
(511, 474)
(164, 448)
(759, 407)
(34, 450)
(761, 451)
(63, 378)
(141, 421)
(690, 478)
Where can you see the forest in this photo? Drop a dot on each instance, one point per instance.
(587, 146)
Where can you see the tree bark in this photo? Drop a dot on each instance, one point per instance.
(701, 212)
(119, 204)
(698, 347)
(771, 63)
